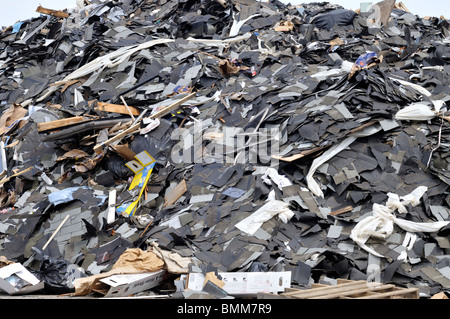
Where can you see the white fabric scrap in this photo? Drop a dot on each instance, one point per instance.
(381, 223)
(271, 175)
(271, 209)
(408, 243)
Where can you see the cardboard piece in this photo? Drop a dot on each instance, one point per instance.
(15, 279)
(129, 284)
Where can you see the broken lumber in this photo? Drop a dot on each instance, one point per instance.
(171, 107)
(55, 13)
(6, 179)
(55, 232)
(342, 211)
(136, 126)
(116, 108)
(349, 289)
(119, 136)
(175, 193)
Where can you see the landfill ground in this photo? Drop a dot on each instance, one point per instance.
(225, 150)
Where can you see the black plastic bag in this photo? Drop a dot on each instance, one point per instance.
(57, 274)
(116, 165)
(339, 17)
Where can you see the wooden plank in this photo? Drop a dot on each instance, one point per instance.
(55, 232)
(362, 127)
(55, 13)
(136, 126)
(407, 293)
(175, 193)
(119, 136)
(303, 294)
(346, 289)
(313, 286)
(172, 107)
(6, 179)
(51, 125)
(362, 291)
(116, 108)
(440, 295)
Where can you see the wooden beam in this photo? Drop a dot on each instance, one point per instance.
(136, 126)
(310, 293)
(46, 126)
(365, 291)
(6, 179)
(129, 130)
(171, 107)
(346, 289)
(175, 193)
(116, 108)
(55, 13)
(408, 293)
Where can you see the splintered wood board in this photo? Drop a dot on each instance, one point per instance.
(348, 289)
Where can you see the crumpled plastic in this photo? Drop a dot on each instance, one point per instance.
(57, 274)
(271, 176)
(271, 209)
(365, 59)
(415, 112)
(381, 223)
(174, 263)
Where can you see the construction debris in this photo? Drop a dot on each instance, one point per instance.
(348, 289)
(225, 150)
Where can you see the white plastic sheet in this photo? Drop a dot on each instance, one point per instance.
(381, 224)
(271, 209)
(416, 112)
(234, 30)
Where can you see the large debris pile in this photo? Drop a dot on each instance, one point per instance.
(226, 137)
